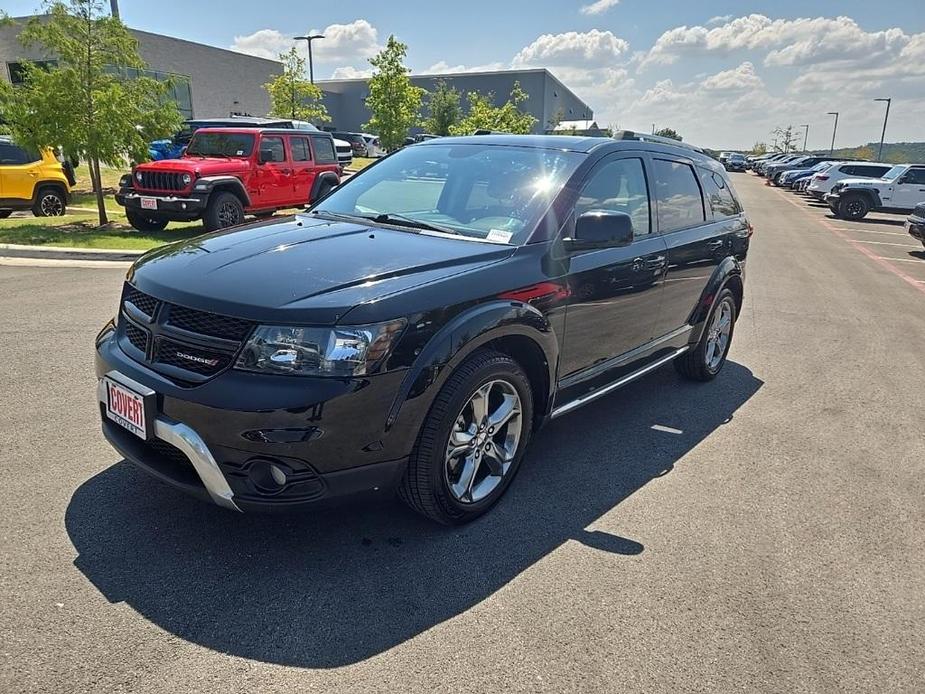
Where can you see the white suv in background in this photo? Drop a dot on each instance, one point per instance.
(822, 182)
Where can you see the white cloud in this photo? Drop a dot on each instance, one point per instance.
(342, 43)
(593, 48)
(444, 68)
(348, 72)
(598, 7)
(719, 19)
(738, 79)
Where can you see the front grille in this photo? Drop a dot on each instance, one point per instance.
(210, 324)
(143, 302)
(185, 344)
(137, 336)
(168, 452)
(200, 361)
(160, 180)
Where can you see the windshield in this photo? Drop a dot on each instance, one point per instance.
(822, 166)
(487, 192)
(894, 172)
(221, 145)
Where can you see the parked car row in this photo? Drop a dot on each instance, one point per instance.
(851, 189)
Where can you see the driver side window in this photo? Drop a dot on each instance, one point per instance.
(618, 186)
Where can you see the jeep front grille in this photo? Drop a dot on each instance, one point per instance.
(160, 180)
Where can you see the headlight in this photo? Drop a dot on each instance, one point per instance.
(187, 179)
(125, 181)
(339, 351)
(138, 176)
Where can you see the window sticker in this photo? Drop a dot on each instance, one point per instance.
(499, 236)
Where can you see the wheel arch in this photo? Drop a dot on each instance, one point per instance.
(871, 194)
(729, 275)
(230, 184)
(514, 328)
(320, 180)
(41, 184)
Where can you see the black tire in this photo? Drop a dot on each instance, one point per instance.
(224, 210)
(323, 190)
(5, 213)
(50, 202)
(694, 364)
(143, 222)
(853, 207)
(425, 487)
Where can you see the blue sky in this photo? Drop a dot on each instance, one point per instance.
(723, 73)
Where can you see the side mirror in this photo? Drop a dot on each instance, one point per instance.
(601, 229)
(264, 156)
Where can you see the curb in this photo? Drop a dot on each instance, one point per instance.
(13, 250)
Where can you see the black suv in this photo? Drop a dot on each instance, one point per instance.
(412, 331)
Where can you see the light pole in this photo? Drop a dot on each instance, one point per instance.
(832, 148)
(885, 119)
(309, 39)
(805, 135)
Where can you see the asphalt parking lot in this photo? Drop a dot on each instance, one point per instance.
(765, 532)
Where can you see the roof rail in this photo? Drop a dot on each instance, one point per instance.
(643, 137)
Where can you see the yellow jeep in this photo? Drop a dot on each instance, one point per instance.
(33, 181)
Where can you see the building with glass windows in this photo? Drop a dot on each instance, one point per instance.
(206, 82)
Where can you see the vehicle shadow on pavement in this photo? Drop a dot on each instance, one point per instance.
(334, 587)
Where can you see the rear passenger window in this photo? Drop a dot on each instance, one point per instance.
(618, 186)
(299, 147)
(275, 146)
(324, 150)
(680, 203)
(718, 195)
(13, 155)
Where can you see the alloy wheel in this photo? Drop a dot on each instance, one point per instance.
(718, 334)
(229, 214)
(51, 205)
(483, 441)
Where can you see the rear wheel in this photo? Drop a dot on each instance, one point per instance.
(472, 441)
(50, 202)
(143, 222)
(224, 210)
(707, 359)
(853, 207)
(5, 213)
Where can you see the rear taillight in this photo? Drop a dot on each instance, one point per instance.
(822, 178)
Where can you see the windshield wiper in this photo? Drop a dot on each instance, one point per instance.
(402, 220)
(340, 215)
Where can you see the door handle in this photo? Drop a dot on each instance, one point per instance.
(719, 243)
(655, 263)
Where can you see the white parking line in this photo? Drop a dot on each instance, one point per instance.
(872, 231)
(53, 262)
(667, 430)
(886, 243)
(903, 260)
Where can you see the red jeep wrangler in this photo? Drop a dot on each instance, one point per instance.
(226, 173)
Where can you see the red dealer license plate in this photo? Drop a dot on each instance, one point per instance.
(126, 408)
(149, 203)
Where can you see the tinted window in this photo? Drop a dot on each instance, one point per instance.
(275, 147)
(12, 155)
(680, 203)
(221, 144)
(324, 150)
(618, 186)
(299, 147)
(915, 176)
(871, 171)
(718, 195)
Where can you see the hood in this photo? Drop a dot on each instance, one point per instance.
(303, 270)
(201, 166)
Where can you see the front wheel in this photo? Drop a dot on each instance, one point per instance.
(472, 441)
(224, 210)
(706, 360)
(143, 222)
(853, 207)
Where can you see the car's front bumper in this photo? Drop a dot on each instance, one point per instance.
(916, 228)
(215, 440)
(174, 208)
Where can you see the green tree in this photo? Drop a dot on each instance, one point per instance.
(87, 103)
(395, 103)
(293, 96)
(444, 109)
(484, 115)
(669, 132)
(759, 148)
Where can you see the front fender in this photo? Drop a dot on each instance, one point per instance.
(872, 194)
(207, 184)
(458, 339)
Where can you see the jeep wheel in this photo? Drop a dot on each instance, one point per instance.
(706, 360)
(49, 203)
(224, 210)
(853, 207)
(472, 441)
(143, 222)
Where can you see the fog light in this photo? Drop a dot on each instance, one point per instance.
(268, 477)
(182, 205)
